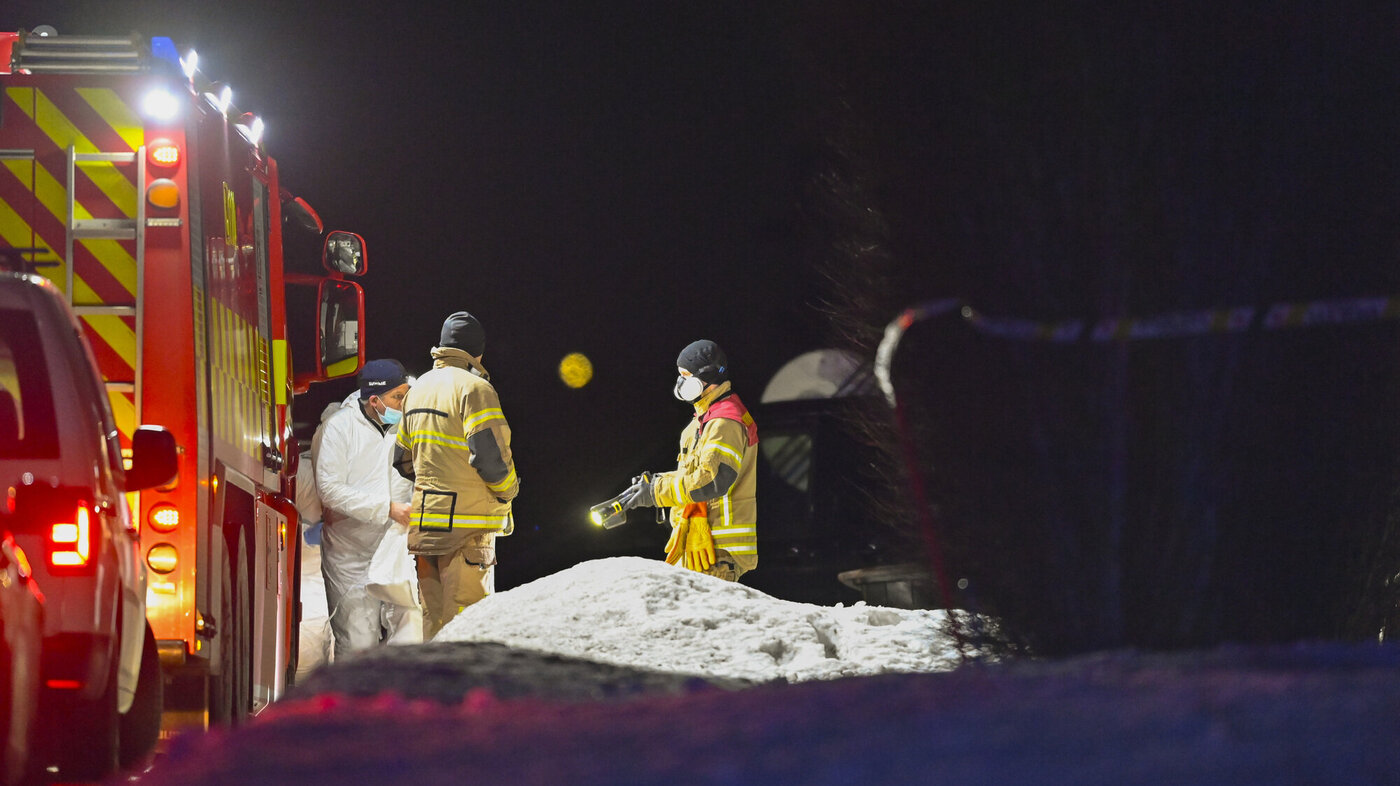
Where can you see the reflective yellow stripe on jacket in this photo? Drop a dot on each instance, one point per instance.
(425, 437)
(733, 536)
(442, 521)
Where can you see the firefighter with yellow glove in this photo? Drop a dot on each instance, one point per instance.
(711, 493)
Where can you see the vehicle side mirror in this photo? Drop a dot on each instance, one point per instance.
(155, 459)
(305, 216)
(344, 253)
(342, 312)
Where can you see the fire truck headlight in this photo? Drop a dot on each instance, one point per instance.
(160, 105)
(163, 193)
(162, 558)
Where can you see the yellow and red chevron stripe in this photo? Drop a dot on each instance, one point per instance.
(34, 206)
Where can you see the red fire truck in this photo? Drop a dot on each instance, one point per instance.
(133, 183)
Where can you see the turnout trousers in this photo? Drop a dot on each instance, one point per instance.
(448, 583)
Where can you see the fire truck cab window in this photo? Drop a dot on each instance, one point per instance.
(28, 427)
(340, 327)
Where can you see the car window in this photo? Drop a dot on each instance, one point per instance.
(28, 428)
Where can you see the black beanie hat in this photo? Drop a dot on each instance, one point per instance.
(462, 331)
(705, 360)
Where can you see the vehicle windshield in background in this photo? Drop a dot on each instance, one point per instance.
(27, 425)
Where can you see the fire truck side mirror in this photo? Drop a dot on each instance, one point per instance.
(344, 254)
(342, 312)
(155, 459)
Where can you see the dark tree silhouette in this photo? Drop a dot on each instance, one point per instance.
(1084, 162)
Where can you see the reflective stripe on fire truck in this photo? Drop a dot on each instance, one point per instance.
(237, 353)
(52, 122)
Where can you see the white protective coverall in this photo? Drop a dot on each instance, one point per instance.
(315, 642)
(353, 477)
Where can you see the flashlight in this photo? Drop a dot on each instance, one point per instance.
(611, 514)
(608, 514)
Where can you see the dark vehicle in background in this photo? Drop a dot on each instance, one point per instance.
(21, 640)
(817, 523)
(67, 508)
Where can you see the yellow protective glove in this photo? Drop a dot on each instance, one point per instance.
(675, 547)
(699, 545)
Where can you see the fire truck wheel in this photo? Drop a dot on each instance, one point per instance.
(140, 726)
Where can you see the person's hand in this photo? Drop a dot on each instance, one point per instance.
(639, 494)
(398, 512)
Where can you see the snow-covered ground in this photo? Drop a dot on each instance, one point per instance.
(638, 612)
(469, 711)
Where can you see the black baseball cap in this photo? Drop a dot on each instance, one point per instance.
(378, 377)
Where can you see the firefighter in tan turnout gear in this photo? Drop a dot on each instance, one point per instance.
(714, 513)
(454, 444)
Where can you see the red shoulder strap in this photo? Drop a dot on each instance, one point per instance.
(731, 408)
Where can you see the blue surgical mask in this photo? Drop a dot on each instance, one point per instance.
(391, 416)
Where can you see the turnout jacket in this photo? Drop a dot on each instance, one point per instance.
(717, 466)
(454, 443)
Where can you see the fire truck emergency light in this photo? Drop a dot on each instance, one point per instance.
(163, 517)
(160, 105)
(190, 64)
(220, 97)
(250, 127)
(163, 153)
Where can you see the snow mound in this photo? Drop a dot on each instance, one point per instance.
(645, 613)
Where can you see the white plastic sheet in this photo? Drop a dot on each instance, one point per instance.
(393, 578)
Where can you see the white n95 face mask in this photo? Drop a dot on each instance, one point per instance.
(688, 388)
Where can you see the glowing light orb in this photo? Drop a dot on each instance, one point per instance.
(576, 369)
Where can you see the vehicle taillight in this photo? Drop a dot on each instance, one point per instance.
(70, 543)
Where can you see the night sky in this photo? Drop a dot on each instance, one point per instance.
(620, 178)
(616, 179)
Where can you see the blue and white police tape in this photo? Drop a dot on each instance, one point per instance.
(1238, 319)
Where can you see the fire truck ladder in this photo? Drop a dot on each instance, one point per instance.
(77, 54)
(118, 228)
